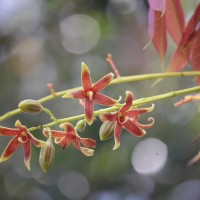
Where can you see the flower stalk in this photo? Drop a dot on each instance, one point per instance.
(135, 103)
(122, 79)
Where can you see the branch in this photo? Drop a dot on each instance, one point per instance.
(136, 103)
(120, 80)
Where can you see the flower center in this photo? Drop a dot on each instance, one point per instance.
(23, 137)
(121, 119)
(90, 95)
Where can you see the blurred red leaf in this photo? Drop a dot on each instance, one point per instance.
(158, 5)
(159, 34)
(175, 20)
(195, 54)
(182, 54)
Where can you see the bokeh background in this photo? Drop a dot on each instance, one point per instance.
(45, 41)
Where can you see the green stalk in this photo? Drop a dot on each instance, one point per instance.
(136, 103)
(120, 80)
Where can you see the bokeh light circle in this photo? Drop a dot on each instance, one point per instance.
(149, 156)
(80, 33)
(188, 190)
(74, 186)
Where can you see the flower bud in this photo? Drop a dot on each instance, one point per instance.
(80, 126)
(106, 130)
(30, 106)
(47, 155)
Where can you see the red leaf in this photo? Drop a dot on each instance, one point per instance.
(195, 54)
(181, 56)
(150, 22)
(159, 35)
(175, 21)
(158, 5)
(179, 59)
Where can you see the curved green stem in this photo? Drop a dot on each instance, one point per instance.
(120, 80)
(136, 103)
(49, 113)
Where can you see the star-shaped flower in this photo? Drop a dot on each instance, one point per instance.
(127, 118)
(91, 93)
(21, 137)
(70, 136)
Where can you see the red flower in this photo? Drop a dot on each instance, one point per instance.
(21, 137)
(68, 136)
(127, 118)
(91, 93)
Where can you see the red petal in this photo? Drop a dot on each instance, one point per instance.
(134, 112)
(8, 131)
(108, 117)
(129, 100)
(175, 21)
(68, 128)
(117, 134)
(27, 154)
(102, 83)
(103, 99)
(87, 142)
(158, 5)
(85, 76)
(35, 141)
(144, 126)
(79, 94)
(54, 133)
(159, 34)
(57, 140)
(195, 54)
(12, 146)
(64, 142)
(133, 128)
(89, 111)
(85, 151)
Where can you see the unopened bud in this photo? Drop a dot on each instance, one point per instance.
(30, 106)
(106, 130)
(80, 126)
(47, 155)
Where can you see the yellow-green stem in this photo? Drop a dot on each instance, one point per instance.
(136, 103)
(120, 80)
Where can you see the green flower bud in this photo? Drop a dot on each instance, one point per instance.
(30, 106)
(47, 155)
(106, 130)
(80, 126)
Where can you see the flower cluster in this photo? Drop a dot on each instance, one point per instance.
(124, 116)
